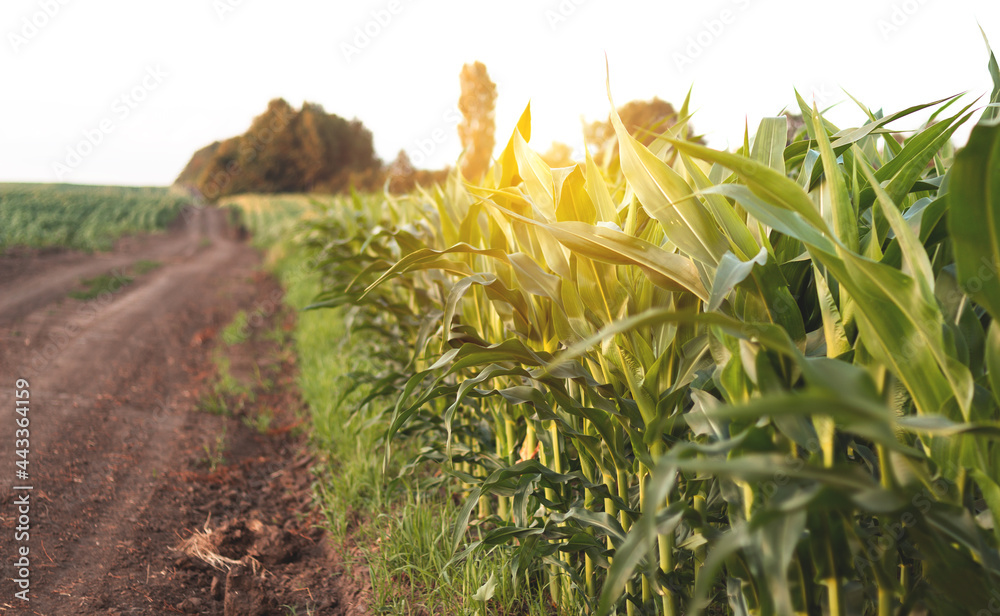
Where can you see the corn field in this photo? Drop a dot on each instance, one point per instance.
(83, 217)
(687, 380)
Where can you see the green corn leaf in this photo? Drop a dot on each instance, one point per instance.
(974, 216)
(991, 494)
(769, 143)
(847, 137)
(993, 359)
(487, 590)
(763, 181)
(993, 110)
(903, 171)
(841, 209)
(732, 271)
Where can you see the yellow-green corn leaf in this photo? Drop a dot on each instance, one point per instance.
(732, 271)
(507, 163)
(533, 278)
(665, 196)
(666, 269)
(537, 177)
(993, 359)
(834, 332)
(597, 188)
(765, 182)
(573, 202)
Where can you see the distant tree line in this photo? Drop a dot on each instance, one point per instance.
(286, 150)
(310, 150)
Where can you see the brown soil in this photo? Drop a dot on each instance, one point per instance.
(143, 502)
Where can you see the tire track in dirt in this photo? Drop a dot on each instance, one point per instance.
(127, 341)
(112, 395)
(30, 283)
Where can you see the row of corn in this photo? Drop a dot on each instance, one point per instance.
(688, 380)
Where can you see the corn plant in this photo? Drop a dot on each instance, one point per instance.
(83, 217)
(758, 382)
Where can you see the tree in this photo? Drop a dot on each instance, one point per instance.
(288, 150)
(644, 120)
(796, 123)
(559, 155)
(477, 104)
(402, 175)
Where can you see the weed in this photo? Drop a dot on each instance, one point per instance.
(261, 422)
(263, 382)
(238, 330)
(144, 266)
(111, 282)
(215, 453)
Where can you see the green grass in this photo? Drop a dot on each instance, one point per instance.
(104, 283)
(227, 394)
(144, 266)
(238, 330)
(355, 477)
(114, 281)
(214, 404)
(215, 452)
(84, 217)
(414, 571)
(261, 422)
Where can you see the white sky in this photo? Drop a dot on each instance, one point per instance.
(205, 67)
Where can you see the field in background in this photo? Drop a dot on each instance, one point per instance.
(270, 217)
(83, 217)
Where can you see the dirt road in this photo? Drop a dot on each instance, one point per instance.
(117, 448)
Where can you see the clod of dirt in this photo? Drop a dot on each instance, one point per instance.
(232, 540)
(246, 594)
(272, 545)
(191, 605)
